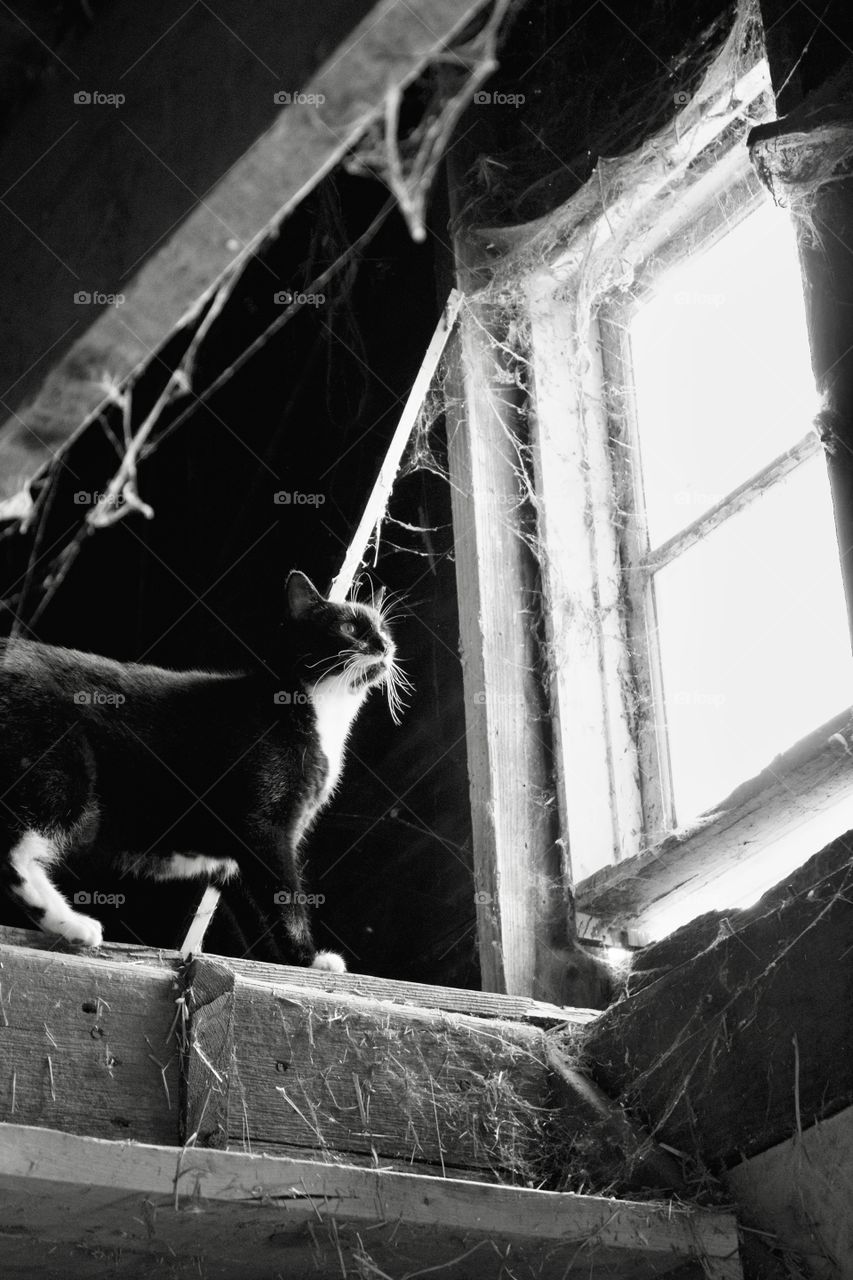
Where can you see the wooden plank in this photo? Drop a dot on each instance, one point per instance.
(759, 834)
(601, 816)
(272, 1066)
(377, 502)
(484, 1004)
(739, 498)
(522, 911)
(454, 999)
(645, 682)
(803, 159)
(737, 1028)
(179, 266)
(88, 1045)
(68, 1202)
(800, 1193)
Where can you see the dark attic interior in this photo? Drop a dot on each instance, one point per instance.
(524, 330)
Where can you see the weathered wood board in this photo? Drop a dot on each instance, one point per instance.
(268, 102)
(802, 1193)
(286, 1059)
(87, 1045)
(738, 1027)
(73, 1208)
(675, 874)
(484, 1004)
(274, 1067)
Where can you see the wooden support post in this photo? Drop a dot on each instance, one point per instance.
(516, 861)
(804, 160)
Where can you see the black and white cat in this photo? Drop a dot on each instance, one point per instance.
(185, 774)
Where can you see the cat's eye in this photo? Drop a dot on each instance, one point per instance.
(348, 628)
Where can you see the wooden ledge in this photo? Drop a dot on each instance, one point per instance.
(68, 1202)
(765, 829)
(482, 1004)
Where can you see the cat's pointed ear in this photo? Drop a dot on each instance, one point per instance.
(379, 597)
(302, 595)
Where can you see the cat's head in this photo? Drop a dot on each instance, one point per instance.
(345, 641)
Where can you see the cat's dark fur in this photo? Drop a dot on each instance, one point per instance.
(177, 774)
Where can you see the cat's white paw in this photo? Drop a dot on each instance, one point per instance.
(82, 930)
(330, 961)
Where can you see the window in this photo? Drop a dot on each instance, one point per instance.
(733, 556)
(701, 660)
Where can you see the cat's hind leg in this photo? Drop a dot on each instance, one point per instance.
(24, 874)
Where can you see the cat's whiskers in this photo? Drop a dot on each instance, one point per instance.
(397, 687)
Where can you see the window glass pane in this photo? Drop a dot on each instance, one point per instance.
(721, 369)
(753, 639)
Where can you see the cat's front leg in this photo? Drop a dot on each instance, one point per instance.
(26, 878)
(294, 928)
(271, 889)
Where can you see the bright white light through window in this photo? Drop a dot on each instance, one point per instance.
(722, 374)
(752, 630)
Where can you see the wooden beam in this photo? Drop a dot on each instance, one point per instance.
(68, 1202)
(87, 1045)
(804, 160)
(60, 349)
(599, 799)
(798, 1196)
(736, 1029)
(482, 1004)
(277, 1068)
(522, 903)
(267, 1057)
(506, 764)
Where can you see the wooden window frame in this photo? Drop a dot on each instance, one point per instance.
(740, 194)
(631, 872)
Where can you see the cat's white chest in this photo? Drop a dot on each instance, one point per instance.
(335, 708)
